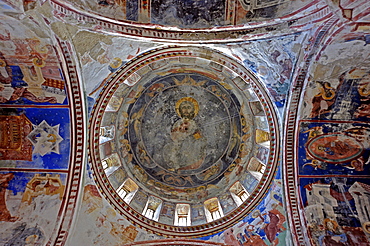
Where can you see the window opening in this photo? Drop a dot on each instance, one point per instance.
(128, 190)
(182, 215)
(213, 209)
(152, 208)
(239, 193)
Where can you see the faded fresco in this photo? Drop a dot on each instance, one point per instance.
(333, 149)
(34, 135)
(275, 66)
(190, 14)
(265, 225)
(103, 56)
(106, 225)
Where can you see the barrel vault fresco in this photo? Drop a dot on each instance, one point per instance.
(36, 137)
(163, 122)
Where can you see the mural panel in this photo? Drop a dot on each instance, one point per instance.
(274, 66)
(43, 141)
(333, 144)
(190, 14)
(333, 147)
(29, 205)
(35, 135)
(265, 225)
(345, 97)
(336, 209)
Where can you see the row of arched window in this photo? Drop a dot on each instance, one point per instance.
(182, 216)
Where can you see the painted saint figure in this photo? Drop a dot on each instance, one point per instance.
(186, 151)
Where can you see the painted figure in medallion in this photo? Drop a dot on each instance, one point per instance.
(186, 151)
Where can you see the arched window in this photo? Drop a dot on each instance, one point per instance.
(256, 168)
(239, 193)
(107, 133)
(127, 190)
(152, 208)
(111, 161)
(213, 210)
(263, 138)
(182, 215)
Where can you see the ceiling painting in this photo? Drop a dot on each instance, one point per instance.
(184, 122)
(332, 149)
(36, 140)
(275, 66)
(201, 123)
(263, 19)
(183, 132)
(189, 14)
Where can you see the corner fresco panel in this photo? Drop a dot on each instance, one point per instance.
(342, 98)
(333, 147)
(275, 65)
(41, 133)
(336, 209)
(30, 204)
(265, 225)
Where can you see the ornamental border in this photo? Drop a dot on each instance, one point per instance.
(294, 22)
(294, 207)
(78, 143)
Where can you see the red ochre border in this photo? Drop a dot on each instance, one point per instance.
(137, 218)
(292, 23)
(175, 242)
(78, 145)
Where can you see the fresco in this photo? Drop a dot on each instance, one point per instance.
(105, 56)
(47, 51)
(35, 133)
(190, 14)
(334, 208)
(108, 226)
(265, 225)
(29, 206)
(333, 145)
(45, 141)
(195, 121)
(275, 66)
(174, 132)
(347, 97)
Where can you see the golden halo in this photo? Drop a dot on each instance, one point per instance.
(38, 62)
(116, 63)
(187, 99)
(256, 214)
(366, 226)
(2, 63)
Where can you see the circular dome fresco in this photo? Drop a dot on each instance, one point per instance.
(183, 141)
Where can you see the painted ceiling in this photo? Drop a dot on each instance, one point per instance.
(152, 122)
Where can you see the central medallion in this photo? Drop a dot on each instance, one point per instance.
(184, 129)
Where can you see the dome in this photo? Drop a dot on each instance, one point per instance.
(179, 131)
